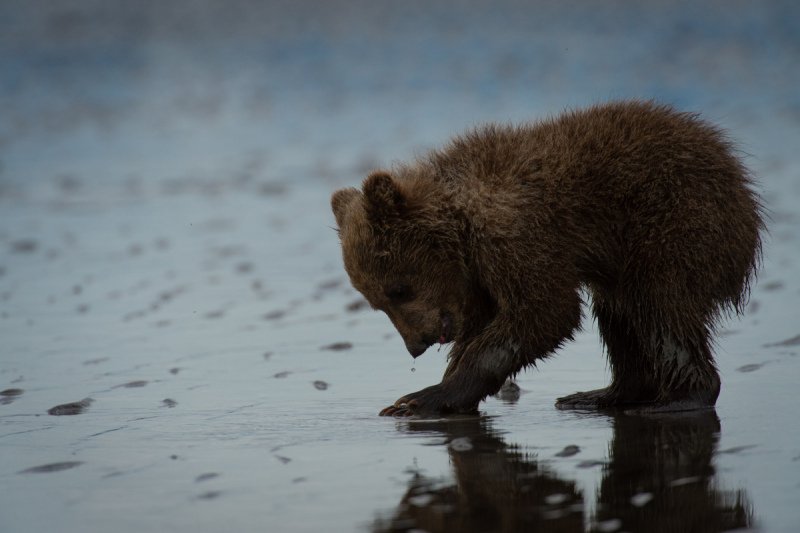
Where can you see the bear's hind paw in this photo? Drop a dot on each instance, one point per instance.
(594, 399)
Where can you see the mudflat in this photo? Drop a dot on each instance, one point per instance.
(182, 351)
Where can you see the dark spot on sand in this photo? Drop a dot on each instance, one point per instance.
(132, 384)
(281, 375)
(174, 371)
(298, 479)
(753, 307)
(168, 402)
(737, 449)
(569, 451)
(73, 408)
(590, 463)
(162, 323)
(77, 289)
(271, 189)
(244, 267)
(173, 457)
(67, 183)
(267, 355)
(83, 308)
(750, 368)
(166, 296)
(9, 395)
(215, 314)
(320, 385)
(135, 249)
(337, 346)
(282, 459)
(162, 244)
(357, 305)
(169, 295)
(772, 286)
(226, 251)
(133, 315)
(2, 271)
(24, 246)
(210, 495)
(273, 315)
(52, 467)
(96, 361)
(330, 284)
(794, 341)
(205, 477)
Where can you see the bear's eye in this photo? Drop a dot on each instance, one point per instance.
(399, 293)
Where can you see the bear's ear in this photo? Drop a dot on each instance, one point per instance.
(340, 203)
(383, 196)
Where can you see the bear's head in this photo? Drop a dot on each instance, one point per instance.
(402, 250)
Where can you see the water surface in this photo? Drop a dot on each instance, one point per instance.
(181, 349)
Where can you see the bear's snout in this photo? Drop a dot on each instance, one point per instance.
(416, 348)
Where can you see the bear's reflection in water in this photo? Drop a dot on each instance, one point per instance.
(659, 477)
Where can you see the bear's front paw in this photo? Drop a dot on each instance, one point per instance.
(431, 401)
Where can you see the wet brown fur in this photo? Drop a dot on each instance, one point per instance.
(646, 208)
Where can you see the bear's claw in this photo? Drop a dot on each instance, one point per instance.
(397, 411)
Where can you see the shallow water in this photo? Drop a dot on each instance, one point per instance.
(181, 349)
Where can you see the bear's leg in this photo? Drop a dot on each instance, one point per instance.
(475, 372)
(685, 372)
(632, 373)
(479, 366)
(653, 368)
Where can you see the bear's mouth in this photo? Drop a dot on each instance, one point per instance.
(446, 331)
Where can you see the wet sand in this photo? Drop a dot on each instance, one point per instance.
(182, 351)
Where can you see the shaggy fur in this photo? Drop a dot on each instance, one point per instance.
(488, 242)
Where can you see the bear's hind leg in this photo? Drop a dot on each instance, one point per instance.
(654, 368)
(685, 372)
(632, 372)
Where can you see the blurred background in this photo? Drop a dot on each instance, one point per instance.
(168, 268)
(152, 90)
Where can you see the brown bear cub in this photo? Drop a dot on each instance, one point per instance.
(489, 242)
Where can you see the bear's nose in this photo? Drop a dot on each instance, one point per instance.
(416, 348)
